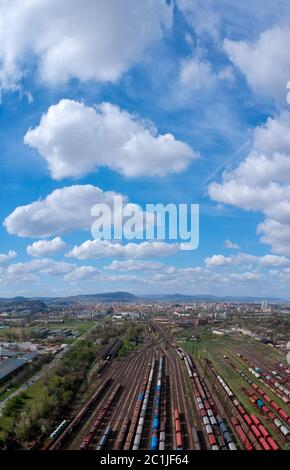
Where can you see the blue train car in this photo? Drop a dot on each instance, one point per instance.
(260, 403)
(154, 442)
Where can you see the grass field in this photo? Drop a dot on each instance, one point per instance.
(28, 333)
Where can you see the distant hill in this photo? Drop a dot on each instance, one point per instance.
(105, 297)
(18, 303)
(41, 302)
(93, 298)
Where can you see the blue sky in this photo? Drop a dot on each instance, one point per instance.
(89, 94)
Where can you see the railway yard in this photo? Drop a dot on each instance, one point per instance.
(166, 395)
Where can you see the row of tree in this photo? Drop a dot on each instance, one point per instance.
(26, 420)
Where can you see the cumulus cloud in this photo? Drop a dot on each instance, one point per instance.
(269, 261)
(66, 39)
(265, 63)
(266, 261)
(75, 139)
(276, 234)
(63, 210)
(91, 249)
(218, 260)
(46, 247)
(239, 259)
(44, 266)
(231, 245)
(82, 273)
(261, 182)
(5, 258)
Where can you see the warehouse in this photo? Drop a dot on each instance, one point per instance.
(10, 366)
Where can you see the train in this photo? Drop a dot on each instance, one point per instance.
(216, 438)
(263, 407)
(241, 434)
(122, 434)
(195, 438)
(138, 418)
(266, 410)
(104, 439)
(60, 428)
(270, 379)
(261, 435)
(216, 431)
(156, 407)
(100, 418)
(178, 435)
(78, 418)
(112, 348)
(162, 435)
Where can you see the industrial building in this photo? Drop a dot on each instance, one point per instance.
(9, 366)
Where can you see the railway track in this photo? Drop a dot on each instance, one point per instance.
(172, 417)
(123, 373)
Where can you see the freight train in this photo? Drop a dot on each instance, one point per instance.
(100, 418)
(270, 379)
(178, 435)
(261, 403)
(138, 418)
(263, 438)
(78, 418)
(156, 410)
(217, 434)
(104, 439)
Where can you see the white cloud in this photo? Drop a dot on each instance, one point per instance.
(265, 63)
(66, 39)
(202, 15)
(63, 210)
(262, 181)
(276, 234)
(37, 266)
(46, 247)
(247, 276)
(135, 265)
(231, 245)
(227, 74)
(103, 248)
(82, 273)
(5, 258)
(266, 261)
(212, 19)
(238, 259)
(76, 139)
(273, 260)
(197, 74)
(218, 260)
